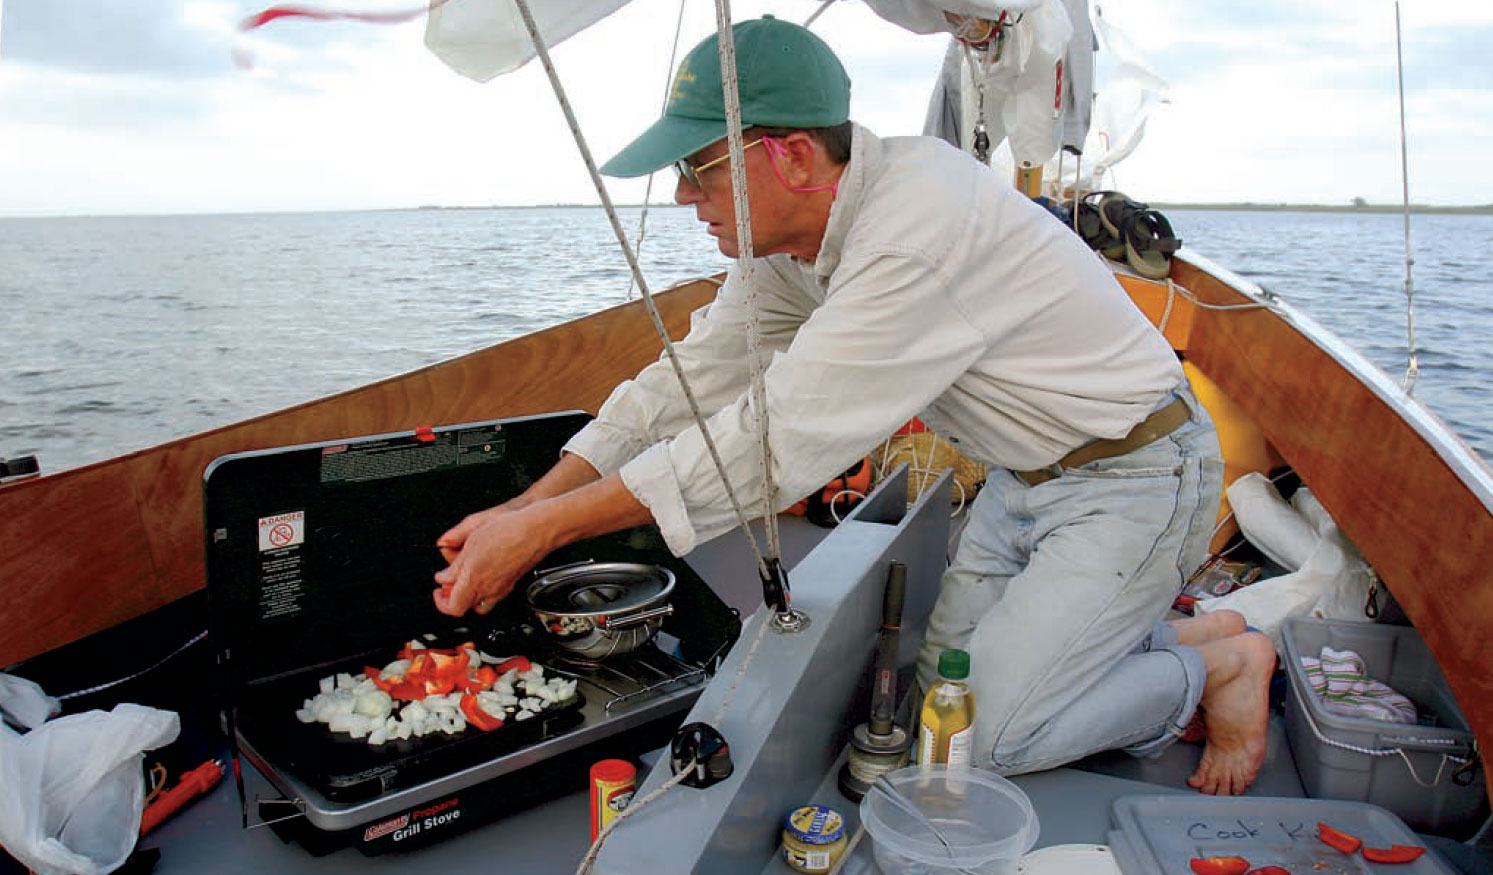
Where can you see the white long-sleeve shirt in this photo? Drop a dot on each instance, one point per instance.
(939, 292)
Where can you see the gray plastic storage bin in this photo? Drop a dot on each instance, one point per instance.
(1418, 771)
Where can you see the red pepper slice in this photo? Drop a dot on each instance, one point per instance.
(410, 690)
(1395, 854)
(519, 662)
(1219, 865)
(481, 679)
(475, 714)
(1342, 841)
(1269, 870)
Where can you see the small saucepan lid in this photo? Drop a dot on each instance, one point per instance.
(599, 589)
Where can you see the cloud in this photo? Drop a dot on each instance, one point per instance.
(163, 38)
(122, 105)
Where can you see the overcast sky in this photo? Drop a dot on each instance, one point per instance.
(136, 106)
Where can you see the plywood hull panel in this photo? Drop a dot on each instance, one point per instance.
(1408, 493)
(86, 549)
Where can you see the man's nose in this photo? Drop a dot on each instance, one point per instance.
(685, 193)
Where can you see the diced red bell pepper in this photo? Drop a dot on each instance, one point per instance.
(476, 715)
(438, 686)
(1395, 854)
(1219, 865)
(1336, 838)
(407, 689)
(521, 663)
(481, 679)
(448, 662)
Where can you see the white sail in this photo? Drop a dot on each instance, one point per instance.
(481, 39)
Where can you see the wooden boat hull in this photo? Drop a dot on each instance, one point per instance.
(84, 550)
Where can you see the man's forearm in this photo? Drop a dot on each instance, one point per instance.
(571, 472)
(596, 508)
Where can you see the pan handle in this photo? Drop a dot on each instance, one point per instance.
(630, 620)
(541, 572)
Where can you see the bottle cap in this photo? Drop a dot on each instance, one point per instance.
(613, 771)
(953, 664)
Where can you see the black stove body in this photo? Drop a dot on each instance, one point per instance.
(320, 560)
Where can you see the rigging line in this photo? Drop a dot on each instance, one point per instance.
(632, 281)
(114, 683)
(818, 12)
(1412, 368)
(542, 51)
(744, 261)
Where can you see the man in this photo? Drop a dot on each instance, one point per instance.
(899, 278)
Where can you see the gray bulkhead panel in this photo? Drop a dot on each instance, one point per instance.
(791, 712)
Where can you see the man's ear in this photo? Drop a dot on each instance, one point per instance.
(802, 152)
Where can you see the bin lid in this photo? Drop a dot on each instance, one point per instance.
(1161, 833)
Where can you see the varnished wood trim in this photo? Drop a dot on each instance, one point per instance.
(1418, 522)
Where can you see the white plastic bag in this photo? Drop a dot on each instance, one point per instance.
(23, 703)
(73, 788)
(1328, 576)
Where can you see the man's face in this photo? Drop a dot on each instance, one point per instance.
(712, 199)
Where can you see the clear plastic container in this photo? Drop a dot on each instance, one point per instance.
(987, 822)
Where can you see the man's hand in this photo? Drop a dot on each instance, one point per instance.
(488, 552)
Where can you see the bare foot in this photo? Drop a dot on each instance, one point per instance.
(1236, 708)
(1210, 626)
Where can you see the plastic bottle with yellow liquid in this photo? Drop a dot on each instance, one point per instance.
(946, 728)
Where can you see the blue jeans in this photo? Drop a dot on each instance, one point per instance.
(1058, 592)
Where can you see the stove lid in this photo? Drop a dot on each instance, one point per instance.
(323, 552)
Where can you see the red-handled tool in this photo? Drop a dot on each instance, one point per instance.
(191, 785)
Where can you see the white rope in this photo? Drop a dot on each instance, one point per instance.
(1384, 752)
(75, 693)
(589, 860)
(744, 258)
(1412, 368)
(648, 191)
(542, 51)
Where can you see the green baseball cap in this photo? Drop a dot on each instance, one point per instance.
(787, 78)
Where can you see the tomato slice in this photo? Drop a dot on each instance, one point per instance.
(1395, 854)
(1336, 838)
(1219, 865)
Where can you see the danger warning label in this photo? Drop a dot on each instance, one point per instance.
(282, 530)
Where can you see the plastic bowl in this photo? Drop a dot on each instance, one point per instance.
(986, 820)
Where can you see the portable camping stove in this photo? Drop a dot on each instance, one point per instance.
(311, 554)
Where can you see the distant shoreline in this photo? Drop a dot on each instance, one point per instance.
(1480, 210)
(1474, 210)
(1393, 209)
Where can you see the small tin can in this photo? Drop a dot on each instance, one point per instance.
(813, 839)
(612, 785)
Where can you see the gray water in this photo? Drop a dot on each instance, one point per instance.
(121, 333)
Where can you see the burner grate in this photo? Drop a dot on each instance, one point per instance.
(639, 675)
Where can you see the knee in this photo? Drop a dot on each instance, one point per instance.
(1231, 622)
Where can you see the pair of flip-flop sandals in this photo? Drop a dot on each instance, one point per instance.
(1124, 230)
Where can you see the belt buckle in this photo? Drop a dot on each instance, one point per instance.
(1041, 475)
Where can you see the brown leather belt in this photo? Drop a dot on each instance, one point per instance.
(1154, 427)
